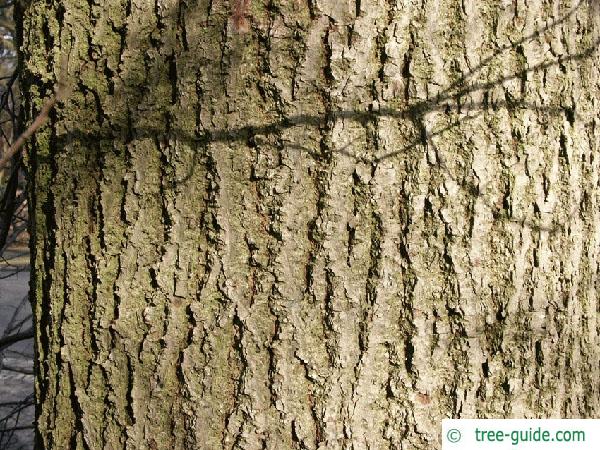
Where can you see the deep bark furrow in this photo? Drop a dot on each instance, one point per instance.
(311, 225)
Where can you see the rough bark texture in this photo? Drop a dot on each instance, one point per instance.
(311, 224)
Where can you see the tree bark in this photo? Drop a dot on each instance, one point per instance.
(311, 225)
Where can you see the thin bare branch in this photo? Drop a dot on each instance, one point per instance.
(14, 338)
(37, 123)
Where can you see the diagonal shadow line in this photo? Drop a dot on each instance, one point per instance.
(575, 57)
(246, 131)
(427, 105)
(513, 45)
(413, 112)
(470, 187)
(482, 108)
(413, 144)
(417, 109)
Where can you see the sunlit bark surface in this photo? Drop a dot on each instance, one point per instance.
(311, 225)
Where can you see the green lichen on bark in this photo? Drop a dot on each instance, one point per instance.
(329, 229)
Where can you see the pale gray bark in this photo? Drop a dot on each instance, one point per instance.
(312, 225)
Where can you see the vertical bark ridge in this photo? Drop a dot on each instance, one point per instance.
(311, 225)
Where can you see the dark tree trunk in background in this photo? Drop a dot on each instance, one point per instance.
(311, 225)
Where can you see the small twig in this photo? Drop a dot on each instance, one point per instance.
(9, 404)
(16, 326)
(17, 271)
(37, 123)
(19, 428)
(14, 338)
(10, 368)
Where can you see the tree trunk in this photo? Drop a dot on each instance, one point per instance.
(311, 225)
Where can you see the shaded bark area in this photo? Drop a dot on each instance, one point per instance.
(311, 225)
